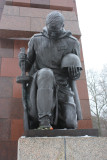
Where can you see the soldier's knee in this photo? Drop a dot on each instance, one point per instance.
(71, 123)
(45, 78)
(45, 73)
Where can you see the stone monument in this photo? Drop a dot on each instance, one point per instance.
(50, 96)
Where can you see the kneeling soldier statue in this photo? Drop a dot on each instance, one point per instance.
(50, 96)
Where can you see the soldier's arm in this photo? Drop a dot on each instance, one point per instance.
(74, 72)
(76, 48)
(30, 54)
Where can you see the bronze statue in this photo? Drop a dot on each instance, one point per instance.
(50, 96)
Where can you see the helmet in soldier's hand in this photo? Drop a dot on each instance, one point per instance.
(70, 60)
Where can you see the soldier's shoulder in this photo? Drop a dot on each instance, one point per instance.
(36, 36)
(72, 37)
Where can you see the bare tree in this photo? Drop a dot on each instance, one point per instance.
(103, 83)
(97, 88)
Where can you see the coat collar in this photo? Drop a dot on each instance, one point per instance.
(64, 34)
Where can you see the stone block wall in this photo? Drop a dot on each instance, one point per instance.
(62, 148)
(20, 19)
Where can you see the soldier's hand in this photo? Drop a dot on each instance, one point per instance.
(74, 72)
(22, 58)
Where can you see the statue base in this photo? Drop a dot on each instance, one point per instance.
(61, 132)
(62, 148)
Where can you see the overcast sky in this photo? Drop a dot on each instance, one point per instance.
(92, 15)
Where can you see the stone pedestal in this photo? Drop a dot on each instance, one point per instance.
(62, 148)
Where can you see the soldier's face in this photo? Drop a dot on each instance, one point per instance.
(54, 31)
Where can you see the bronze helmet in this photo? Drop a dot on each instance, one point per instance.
(70, 60)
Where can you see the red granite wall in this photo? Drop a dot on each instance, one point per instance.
(11, 109)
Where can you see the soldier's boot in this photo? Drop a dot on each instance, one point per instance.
(45, 84)
(44, 107)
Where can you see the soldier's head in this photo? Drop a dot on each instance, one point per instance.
(55, 24)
